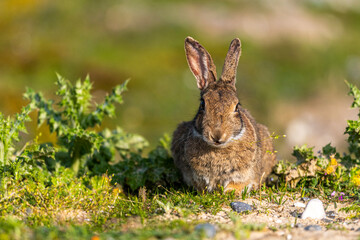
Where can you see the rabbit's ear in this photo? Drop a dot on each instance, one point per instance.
(231, 62)
(200, 63)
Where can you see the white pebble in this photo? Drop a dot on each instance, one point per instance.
(314, 209)
(278, 221)
(299, 204)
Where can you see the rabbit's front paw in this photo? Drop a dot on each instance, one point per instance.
(238, 187)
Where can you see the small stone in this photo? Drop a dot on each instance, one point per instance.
(314, 209)
(331, 214)
(295, 214)
(305, 199)
(278, 221)
(289, 237)
(313, 228)
(358, 230)
(29, 211)
(299, 225)
(299, 204)
(207, 228)
(327, 220)
(272, 180)
(240, 207)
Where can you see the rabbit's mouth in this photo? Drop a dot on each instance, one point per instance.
(217, 139)
(219, 142)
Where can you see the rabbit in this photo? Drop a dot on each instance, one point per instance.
(223, 147)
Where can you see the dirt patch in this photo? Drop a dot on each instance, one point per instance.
(281, 221)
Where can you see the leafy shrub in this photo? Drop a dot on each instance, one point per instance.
(157, 169)
(73, 120)
(329, 171)
(81, 146)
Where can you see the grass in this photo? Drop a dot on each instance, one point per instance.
(71, 207)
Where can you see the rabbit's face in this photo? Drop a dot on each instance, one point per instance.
(219, 119)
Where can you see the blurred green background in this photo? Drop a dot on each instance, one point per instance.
(295, 57)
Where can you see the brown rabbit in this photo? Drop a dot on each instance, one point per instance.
(222, 146)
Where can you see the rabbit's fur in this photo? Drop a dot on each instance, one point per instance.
(222, 146)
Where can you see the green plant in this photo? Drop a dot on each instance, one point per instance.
(73, 119)
(75, 122)
(336, 174)
(156, 169)
(353, 129)
(9, 133)
(280, 201)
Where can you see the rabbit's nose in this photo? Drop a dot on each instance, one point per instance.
(217, 138)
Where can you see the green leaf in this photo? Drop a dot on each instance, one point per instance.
(303, 153)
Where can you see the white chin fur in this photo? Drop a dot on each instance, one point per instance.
(231, 139)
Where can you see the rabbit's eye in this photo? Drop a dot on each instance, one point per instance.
(202, 104)
(237, 107)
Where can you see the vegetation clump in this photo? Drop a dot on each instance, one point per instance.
(329, 171)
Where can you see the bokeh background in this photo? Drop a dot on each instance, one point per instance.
(295, 58)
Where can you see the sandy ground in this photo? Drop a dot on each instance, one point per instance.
(281, 222)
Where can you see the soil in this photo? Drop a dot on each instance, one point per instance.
(281, 221)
